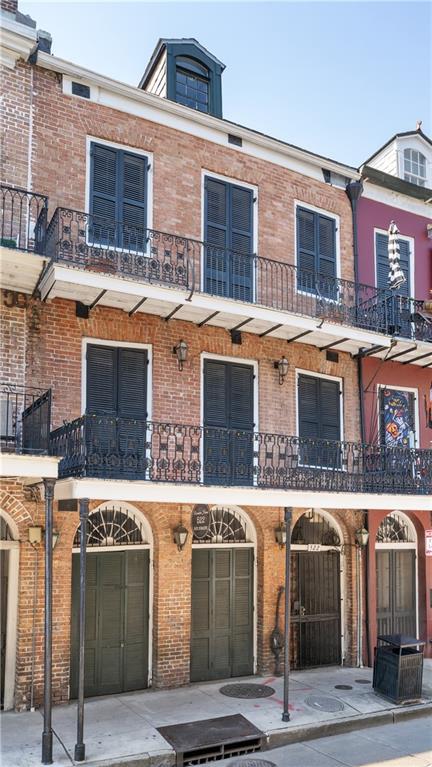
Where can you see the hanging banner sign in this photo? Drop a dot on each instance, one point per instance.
(428, 543)
(200, 521)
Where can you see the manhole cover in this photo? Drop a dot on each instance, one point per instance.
(362, 681)
(243, 690)
(343, 687)
(251, 763)
(322, 703)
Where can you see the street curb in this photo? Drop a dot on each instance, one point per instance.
(161, 759)
(339, 726)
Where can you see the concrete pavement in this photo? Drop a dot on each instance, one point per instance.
(123, 727)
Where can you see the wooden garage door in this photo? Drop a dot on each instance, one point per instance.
(222, 613)
(117, 606)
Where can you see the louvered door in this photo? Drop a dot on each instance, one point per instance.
(396, 591)
(222, 613)
(316, 254)
(228, 423)
(116, 410)
(228, 233)
(398, 308)
(319, 421)
(116, 637)
(118, 198)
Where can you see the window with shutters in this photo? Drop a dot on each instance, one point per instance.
(319, 421)
(316, 250)
(228, 234)
(382, 262)
(118, 198)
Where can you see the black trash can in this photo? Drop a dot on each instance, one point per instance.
(398, 667)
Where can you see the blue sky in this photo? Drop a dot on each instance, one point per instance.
(338, 78)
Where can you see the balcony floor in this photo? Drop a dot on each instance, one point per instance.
(19, 270)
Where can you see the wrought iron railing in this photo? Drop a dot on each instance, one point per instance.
(99, 244)
(23, 219)
(123, 448)
(25, 419)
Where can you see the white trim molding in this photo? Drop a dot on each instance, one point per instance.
(13, 550)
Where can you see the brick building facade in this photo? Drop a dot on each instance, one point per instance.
(80, 286)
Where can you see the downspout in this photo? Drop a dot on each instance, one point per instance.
(354, 191)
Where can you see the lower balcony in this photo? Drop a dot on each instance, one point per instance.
(113, 448)
(25, 422)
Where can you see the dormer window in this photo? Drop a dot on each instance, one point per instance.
(414, 167)
(192, 84)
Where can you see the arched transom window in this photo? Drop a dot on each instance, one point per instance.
(224, 526)
(414, 167)
(112, 526)
(395, 528)
(314, 528)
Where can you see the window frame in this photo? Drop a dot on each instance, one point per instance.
(327, 214)
(411, 243)
(421, 160)
(90, 139)
(410, 390)
(182, 66)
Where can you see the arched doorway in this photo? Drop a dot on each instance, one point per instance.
(118, 602)
(396, 576)
(316, 574)
(9, 566)
(223, 595)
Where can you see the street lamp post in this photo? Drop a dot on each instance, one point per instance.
(79, 753)
(47, 734)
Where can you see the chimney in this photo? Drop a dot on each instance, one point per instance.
(44, 41)
(11, 6)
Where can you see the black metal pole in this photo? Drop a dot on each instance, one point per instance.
(79, 754)
(47, 734)
(288, 520)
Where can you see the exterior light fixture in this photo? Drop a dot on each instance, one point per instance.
(35, 535)
(282, 366)
(361, 538)
(181, 351)
(280, 535)
(180, 535)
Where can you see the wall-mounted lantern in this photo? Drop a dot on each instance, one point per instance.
(181, 352)
(180, 535)
(282, 366)
(361, 538)
(280, 535)
(35, 535)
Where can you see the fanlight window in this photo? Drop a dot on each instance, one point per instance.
(225, 526)
(414, 167)
(395, 529)
(5, 533)
(313, 528)
(112, 527)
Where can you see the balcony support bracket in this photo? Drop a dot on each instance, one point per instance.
(416, 359)
(300, 335)
(137, 306)
(332, 344)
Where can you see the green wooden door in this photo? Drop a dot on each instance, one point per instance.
(116, 642)
(222, 613)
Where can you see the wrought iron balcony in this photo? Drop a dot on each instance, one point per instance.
(25, 419)
(23, 219)
(99, 244)
(120, 448)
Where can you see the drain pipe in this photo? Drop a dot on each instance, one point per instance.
(354, 191)
(35, 587)
(288, 520)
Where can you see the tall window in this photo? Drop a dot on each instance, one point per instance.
(316, 253)
(192, 84)
(414, 167)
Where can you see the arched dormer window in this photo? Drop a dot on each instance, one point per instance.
(414, 167)
(192, 84)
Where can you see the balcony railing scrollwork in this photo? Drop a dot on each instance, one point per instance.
(25, 419)
(121, 448)
(23, 220)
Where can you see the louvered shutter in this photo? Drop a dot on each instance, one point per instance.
(316, 253)
(133, 203)
(326, 257)
(241, 241)
(221, 614)
(216, 235)
(242, 629)
(104, 192)
(319, 418)
(306, 250)
(382, 263)
(135, 653)
(308, 407)
(200, 628)
(101, 379)
(132, 409)
(241, 424)
(329, 408)
(216, 423)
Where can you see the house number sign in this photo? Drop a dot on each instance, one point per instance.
(314, 547)
(200, 521)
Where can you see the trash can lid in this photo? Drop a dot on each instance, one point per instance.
(400, 640)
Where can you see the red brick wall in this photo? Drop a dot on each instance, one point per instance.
(9, 5)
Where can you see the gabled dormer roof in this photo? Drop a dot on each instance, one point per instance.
(417, 132)
(162, 43)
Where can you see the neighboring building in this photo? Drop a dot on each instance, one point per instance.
(397, 383)
(184, 289)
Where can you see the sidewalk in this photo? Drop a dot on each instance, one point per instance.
(118, 728)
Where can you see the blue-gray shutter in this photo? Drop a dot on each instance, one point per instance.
(382, 263)
(104, 191)
(228, 423)
(316, 253)
(228, 227)
(132, 409)
(319, 418)
(101, 380)
(133, 201)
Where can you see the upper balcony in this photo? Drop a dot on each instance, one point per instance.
(96, 261)
(103, 447)
(25, 423)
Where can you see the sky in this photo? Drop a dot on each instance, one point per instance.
(337, 78)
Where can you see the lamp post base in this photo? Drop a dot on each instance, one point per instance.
(47, 748)
(79, 753)
(285, 717)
